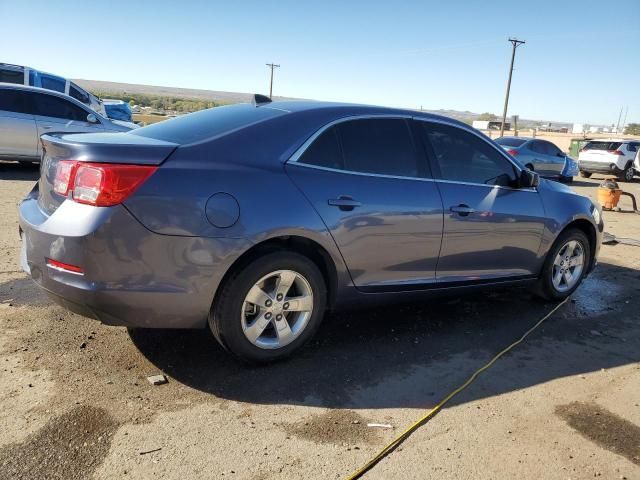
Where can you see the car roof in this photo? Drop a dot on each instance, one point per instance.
(354, 109)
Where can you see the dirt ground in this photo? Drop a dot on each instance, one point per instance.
(75, 402)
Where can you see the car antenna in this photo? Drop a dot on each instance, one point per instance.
(258, 99)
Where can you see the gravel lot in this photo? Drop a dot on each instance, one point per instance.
(566, 404)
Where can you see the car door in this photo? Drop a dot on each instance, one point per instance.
(554, 157)
(55, 114)
(18, 131)
(370, 185)
(540, 160)
(492, 229)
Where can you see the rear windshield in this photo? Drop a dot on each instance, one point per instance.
(602, 146)
(204, 124)
(510, 141)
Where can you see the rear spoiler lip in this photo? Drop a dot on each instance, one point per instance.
(135, 150)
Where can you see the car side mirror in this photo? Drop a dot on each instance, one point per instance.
(91, 118)
(528, 179)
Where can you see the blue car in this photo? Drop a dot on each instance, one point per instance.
(254, 219)
(541, 156)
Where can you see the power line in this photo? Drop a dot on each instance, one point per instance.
(272, 65)
(516, 43)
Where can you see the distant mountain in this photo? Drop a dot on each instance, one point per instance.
(236, 97)
(192, 93)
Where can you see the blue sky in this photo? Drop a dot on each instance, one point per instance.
(581, 61)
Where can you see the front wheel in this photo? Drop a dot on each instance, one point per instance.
(565, 266)
(585, 174)
(269, 308)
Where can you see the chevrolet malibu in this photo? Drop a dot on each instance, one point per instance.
(254, 219)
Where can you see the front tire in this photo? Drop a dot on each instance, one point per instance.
(270, 308)
(565, 266)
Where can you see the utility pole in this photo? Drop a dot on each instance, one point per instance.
(516, 43)
(624, 122)
(619, 118)
(272, 65)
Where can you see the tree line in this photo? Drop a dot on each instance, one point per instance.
(159, 102)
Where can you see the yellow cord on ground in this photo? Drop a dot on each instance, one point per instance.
(421, 421)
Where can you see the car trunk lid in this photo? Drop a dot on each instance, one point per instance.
(105, 148)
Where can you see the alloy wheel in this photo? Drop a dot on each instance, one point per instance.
(568, 266)
(277, 309)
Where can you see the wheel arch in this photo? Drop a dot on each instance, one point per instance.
(586, 227)
(293, 243)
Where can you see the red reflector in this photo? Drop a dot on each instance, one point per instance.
(616, 152)
(63, 266)
(512, 152)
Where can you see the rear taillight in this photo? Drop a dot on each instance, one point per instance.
(99, 184)
(512, 152)
(615, 152)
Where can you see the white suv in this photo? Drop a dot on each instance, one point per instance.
(614, 156)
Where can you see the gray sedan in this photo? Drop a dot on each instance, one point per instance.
(28, 112)
(541, 156)
(254, 219)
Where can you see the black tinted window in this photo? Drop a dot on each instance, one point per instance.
(464, 157)
(51, 106)
(205, 124)
(324, 151)
(15, 101)
(381, 146)
(78, 94)
(602, 145)
(12, 76)
(632, 147)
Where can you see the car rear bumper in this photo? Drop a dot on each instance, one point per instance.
(600, 167)
(131, 276)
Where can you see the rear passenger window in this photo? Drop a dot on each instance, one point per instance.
(464, 157)
(381, 146)
(52, 106)
(632, 147)
(324, 151)
(11, 76)
(15, 101)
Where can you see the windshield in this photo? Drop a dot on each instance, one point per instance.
(209, 123)
(510, 141)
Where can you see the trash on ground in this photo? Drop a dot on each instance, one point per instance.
(157, 379)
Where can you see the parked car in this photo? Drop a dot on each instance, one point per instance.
(613, 156)
(541, 156)
(254, 219)
(28, 112)
(20, 75)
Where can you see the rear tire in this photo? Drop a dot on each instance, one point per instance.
(569, 249)
(585, 174)
(628, 174)
(272, 328)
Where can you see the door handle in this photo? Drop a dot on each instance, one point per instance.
(344, 203)
(46, 127)
(462, 209)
